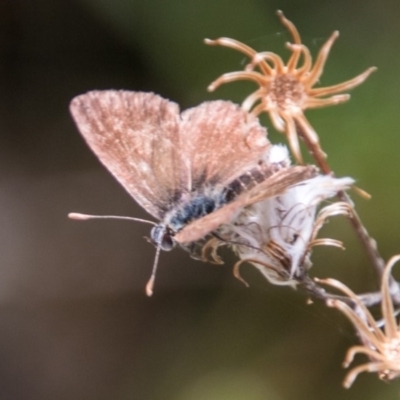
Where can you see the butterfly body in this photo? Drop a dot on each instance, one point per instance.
(200, 204)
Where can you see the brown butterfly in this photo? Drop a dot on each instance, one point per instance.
(192, 171)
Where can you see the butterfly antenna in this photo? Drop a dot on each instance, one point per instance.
(85, 217)
(150, 283)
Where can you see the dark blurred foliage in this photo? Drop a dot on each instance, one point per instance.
(74, 320)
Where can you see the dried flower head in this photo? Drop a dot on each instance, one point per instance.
(278, 234)
(380, 344)
(285, 91)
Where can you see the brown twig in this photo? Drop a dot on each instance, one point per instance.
(368, 242)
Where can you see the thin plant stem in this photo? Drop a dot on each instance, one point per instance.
(368, 242)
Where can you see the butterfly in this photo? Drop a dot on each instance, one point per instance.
(192, 171)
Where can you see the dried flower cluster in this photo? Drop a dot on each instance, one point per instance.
(276, 235)
(211, 178)
(381, 344)
(286, 90)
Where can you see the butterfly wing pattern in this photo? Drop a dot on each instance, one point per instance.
(136, 136)
(192, 171)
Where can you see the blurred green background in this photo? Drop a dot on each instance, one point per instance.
(74, 320)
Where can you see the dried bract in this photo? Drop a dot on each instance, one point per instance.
(286, 90)
(278, 234)
(380, 345)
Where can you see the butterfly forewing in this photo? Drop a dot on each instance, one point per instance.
(136, 136)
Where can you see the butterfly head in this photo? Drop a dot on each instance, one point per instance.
(162, 236)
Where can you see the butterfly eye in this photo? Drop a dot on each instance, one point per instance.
(162, 236)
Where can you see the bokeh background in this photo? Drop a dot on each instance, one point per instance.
(74, 320)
